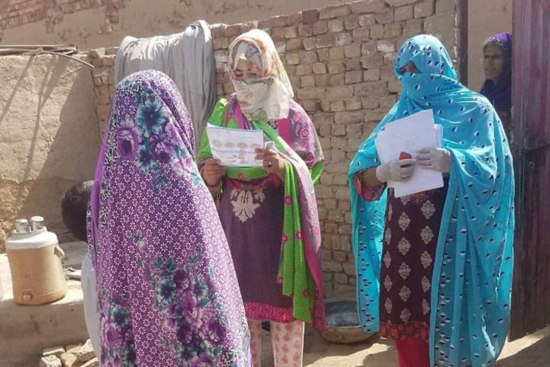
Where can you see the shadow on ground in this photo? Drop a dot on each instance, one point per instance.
(537, 354)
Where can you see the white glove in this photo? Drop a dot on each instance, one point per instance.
(398, 170)
(436, 159)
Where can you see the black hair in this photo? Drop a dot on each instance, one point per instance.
(74, 207)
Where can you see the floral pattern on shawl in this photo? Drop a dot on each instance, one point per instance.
(186, 298)
(167, 294)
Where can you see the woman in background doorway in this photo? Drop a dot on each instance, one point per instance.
(497, 65)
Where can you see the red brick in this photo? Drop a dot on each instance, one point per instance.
(294, 44)
(371, 89)
(310, 16)
(308, 57)
(342, 39)
(309, 43)
(319, 68)
(218, 30)
(305, 30)
(336, 25)
(353, 64)
(322, 80)
(220, 43)
(351, 22)
(385, 17)
(323, 54)
(320, 28)
(277, 34)
(337, 67)
(354, 77)
(373, 61)
(334, 11)
(233, 30)
(393, 30)
(361, 34)
(326, 40)
(337, 80)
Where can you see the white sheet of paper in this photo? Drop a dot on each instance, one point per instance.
(235, 147)
(408, 135)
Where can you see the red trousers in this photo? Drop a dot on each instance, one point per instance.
(413, 352)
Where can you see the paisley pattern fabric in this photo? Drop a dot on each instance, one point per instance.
(471, 282)
(410, 240)
(168, 293)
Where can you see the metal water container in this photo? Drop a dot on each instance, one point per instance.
(35, 260)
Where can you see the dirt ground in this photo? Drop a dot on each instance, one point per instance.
(533, 350)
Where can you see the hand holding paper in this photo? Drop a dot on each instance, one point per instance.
(272, 161)
(410, 135)
(398, 170)
(436, 159)
(235, 147)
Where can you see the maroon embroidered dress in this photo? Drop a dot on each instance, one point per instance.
(408, 253)
(251, 213)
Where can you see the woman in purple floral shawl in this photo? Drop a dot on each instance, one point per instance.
(168, 293)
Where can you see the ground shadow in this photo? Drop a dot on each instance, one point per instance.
(537, 354)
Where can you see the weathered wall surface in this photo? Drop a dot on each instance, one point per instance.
(340, 62)
(103, 23)
(485, 18)
(48, 135)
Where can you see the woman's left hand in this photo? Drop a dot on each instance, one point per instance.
(436, 159)
(272, 161)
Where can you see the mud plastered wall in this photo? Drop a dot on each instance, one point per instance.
(49, 138)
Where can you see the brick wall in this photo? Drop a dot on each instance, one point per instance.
(340, 62)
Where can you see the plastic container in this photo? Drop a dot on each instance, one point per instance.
(35, 260)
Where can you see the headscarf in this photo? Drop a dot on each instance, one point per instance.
(470, 294)
(168, 293)
(500, 94)
(267, 96)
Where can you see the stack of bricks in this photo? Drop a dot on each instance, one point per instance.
(340, 62)
(103, 73)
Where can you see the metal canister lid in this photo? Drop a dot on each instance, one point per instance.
(37, 222)
(21, 225)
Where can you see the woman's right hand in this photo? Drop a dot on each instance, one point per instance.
(212, 172)
(399, 170)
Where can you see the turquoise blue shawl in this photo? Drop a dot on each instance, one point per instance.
(470, 295)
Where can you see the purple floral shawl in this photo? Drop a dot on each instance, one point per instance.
(168, 293)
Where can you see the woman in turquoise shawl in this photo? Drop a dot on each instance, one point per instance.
(269, 213)
(466, 298)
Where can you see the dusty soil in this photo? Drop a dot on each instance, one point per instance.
(533, 350)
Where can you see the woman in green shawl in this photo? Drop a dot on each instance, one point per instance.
(269, 213)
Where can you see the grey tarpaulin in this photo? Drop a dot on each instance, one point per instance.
(187, 58)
